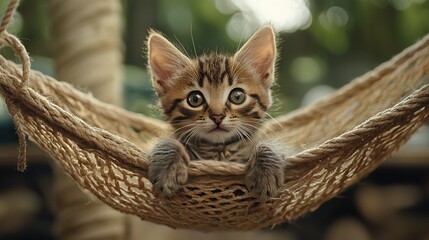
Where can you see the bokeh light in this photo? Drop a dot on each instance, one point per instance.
(284, 15)
(307, 69)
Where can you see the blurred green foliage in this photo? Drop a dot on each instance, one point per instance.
(345, 39)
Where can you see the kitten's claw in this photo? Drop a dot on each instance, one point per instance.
(266, 185)
(265, 173)
(170, 182)
(168, 167)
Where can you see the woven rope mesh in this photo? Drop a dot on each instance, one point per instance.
(341, 139)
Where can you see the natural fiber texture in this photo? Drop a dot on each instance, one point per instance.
(343, 138)
(87, 52)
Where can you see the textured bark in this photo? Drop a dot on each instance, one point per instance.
(88, 54)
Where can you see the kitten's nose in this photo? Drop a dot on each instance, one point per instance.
(217, 118)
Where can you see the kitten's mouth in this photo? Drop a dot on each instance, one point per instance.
(218, 129)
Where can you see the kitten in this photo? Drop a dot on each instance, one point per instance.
(215, 104)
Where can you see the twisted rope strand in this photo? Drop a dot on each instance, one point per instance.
(361, 83)
(19, 49)
(109, 146)
(11, 8)
(112, 166)
(22, 151)
(13, 42)
(22, 53)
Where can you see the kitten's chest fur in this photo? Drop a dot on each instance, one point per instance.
(239, 151)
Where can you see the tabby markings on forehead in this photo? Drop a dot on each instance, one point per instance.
(227, 72)
(214, 68)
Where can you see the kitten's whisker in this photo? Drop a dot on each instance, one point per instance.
(255, 123)
(191, 135)
(177, 39)
(275, 120)
(185, 133)
(188, 133)
(236, 134)
(193, 43)
(247, 62)
(258, 120)
(179, 138)
(254, 120)
(250, 129)
(198, 138)
(244, 130)
(238, 71)
(240, 136)
(241, 37)
(180, 128)
(193, 74)
(256, 129)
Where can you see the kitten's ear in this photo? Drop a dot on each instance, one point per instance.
(164, 60)
(259, 53)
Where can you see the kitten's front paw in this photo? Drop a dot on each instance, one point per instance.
(265, 173)
(168, 167)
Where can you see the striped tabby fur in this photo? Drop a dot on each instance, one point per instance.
(216, 104)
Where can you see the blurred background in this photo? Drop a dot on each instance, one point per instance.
(322, 46)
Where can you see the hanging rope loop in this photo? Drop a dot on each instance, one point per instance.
(6, 39)
(13, 42)
(105, 148)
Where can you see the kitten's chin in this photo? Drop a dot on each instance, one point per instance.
(219, 137)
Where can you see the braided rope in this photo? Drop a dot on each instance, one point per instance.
(19, 49)
(100, 147)
(136, 158)
(367, 129)
(22, 162)
(311, 112)
(126, 154)
(10, 10)
(14, 43)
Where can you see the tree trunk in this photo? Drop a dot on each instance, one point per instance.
(88, 54)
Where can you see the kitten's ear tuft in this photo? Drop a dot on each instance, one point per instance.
(259, 52)
(164, 60)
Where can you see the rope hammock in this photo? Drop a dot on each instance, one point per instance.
(104, 148)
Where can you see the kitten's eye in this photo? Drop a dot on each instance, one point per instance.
(195, 99)
(237, 96)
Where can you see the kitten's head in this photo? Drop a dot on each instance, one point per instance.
(215, 98)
